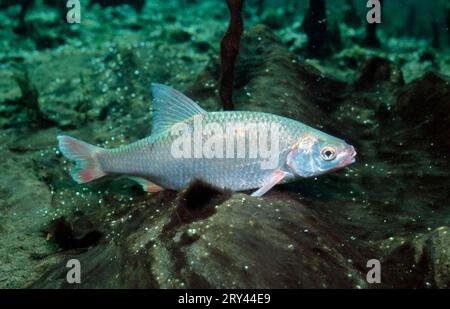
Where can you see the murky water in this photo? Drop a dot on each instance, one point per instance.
(86, 71)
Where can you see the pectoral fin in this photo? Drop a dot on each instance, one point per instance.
(275, 178)
(147, 185)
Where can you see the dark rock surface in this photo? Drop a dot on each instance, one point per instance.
(245, 242)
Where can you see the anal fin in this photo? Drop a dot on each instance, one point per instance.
(147, 185)
(274, 178)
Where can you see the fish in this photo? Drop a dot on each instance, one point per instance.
(234, 150)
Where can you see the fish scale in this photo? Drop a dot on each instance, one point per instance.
(151, 157)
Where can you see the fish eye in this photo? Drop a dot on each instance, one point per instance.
(328, 153)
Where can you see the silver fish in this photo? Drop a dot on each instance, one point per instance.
(297, 150)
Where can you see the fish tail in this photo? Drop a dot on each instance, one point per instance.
(87, 165)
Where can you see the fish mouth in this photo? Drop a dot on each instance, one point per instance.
(350, 157)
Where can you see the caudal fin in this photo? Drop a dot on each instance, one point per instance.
(87, 166)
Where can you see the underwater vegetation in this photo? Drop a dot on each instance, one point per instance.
(383, 87)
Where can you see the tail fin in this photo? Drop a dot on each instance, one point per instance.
(85, 155)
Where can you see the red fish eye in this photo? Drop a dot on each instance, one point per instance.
(328, 153)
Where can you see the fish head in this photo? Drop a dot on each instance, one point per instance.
(316, 153)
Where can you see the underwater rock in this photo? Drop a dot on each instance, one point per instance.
(437, 256)
(25, 5)
(26, 109)
(424, 260)
(237, 235)
(24, 253)
(179, 35)
(249, 245)
(72, 235)
(85, 88)
(432, 94)
(375, 71)
(60, 6)
(202, 46)
(428, 55)
(276, 242)
(8, 98)
(45, 29)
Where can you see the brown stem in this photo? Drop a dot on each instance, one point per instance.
(229, 49)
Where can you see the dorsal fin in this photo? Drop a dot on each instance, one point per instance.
(170, 107)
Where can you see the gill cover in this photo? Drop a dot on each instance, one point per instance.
(317, 153)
